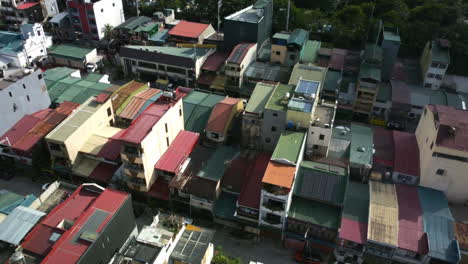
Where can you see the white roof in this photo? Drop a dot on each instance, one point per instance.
(18, 223)
(58, 17)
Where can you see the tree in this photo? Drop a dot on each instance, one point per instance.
(220, 258)
(349, 26)
(108, 30)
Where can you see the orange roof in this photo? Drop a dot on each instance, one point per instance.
(279, 174)
(219, 118)
(188, 29)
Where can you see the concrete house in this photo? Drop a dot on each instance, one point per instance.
(190, 32)
(286, 48)
(434, 62)
(72, 56)
(236, 64)
(221, 118)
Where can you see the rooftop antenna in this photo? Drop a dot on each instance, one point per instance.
(287, 15)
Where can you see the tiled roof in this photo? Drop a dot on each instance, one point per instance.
(279, 174)
(406, 153)
(188, 29)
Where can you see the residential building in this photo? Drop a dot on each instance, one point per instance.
(22, 92)
(274, 115)
(23, 142)
(361, 152)
(286, 48)
(190, 32)
(194, 246)
(331, 86)
(178, 65)
(310, 51)
(137, 29)
(73, 56)
(17, 13)
(434, 62)
(278, 180)
(406, 160)
(221, 118)
(263, 72)
(252, 136)
(442, 150)
(302, 105)
(252, 24)
(236, 64)
(85, 142)
(197, 110)
(390, 44)
(21, 49)
(87, 227)
(61, 27)
(149, 137)
(135, 104)
(319, 133)
(155, 243)
(315, 212)
(383, 158)
(307, 72)
(367, 86)
(91, 17)
(211, 77)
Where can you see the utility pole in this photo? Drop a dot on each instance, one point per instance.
(137, 7)
(287, 15)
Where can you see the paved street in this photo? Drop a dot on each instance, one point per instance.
(22, 185)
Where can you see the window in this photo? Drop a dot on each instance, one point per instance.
(55, 147)
(275, 114)
(322, 137)
(434, 64)
(38, 32)
(267, 140)
(180, 111)
(438, 76)
(40, 74)
(111, 122)
(102, 10)
(214, 135)
(427, 139)
(430, 75)
(440, 172)
(292, 57)
(109, 111)
(24, 86)
(278, 53)
(273, 128)
(11, 95)
(432, 145)
(252, 121)
(167, 141)
(27, 97)
(165, 126)
(113, 4)
(442, 66)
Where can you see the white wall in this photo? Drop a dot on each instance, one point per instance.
(36, 42)
(38, 99)
(112, 13)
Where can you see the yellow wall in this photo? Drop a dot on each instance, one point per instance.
(278, 58)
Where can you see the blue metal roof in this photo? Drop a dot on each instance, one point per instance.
(438, 224)
(307, 87)
(300, 105)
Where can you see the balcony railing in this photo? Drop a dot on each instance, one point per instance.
(274, 207)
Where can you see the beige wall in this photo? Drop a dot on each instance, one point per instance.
(454, 181)
(283, 50)
(235, 109)
(425, 60)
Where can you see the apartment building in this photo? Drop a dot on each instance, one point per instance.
(90, 17)
(361, 152)
(236, 64)
(252, 24)
(434, 62)
(443, 152)
(180, 66)
(148, 138)
(319, 133)
(286, 48)
(16, 13)
(221, 119)
(370, 76)
(73, 56)
(278, 180)
(22, 92)
(303, 102)
(20, 49)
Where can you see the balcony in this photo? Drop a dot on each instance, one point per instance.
(276, 192)
(133, 172)
(274, 207)
(271, 222)
(131, 158)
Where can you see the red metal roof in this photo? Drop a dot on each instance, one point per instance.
(160, 190)
(178, 151)
(410, 223)
(103, 172)
(236, 174)
(337, 59)
(250, 194)
(111, 150)
(353, 231)
(206, 78)
(19, 129)
(101, 98)
(383, 145)
(141, 126)
(66, 107)
(239, 52)
(400, 92)
(188, 29)
(132, 108)
(27, 5)
(406, 153)
(66, 249)
(215, 61)
(41, 114)
(219, 118)
(453, 129)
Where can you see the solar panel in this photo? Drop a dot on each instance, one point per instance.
(307, 87)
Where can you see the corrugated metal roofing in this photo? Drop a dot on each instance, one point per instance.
(310, 50)
(238, 53)
(225, 206)
(450, 117)
(198, 119)
(259, 98)
(15, 133)
(356, 206)
(129, 98)
(279, 174)
(178, 151)
(215, 61)
(406, 153)
(69, 51)
(216, 164)
(461, 234)
(18, 223)
(124, 92)
(103, 172)
(236, 175)
(298, 37)
(314, 212)
(353, 230)
(188, 29)
(221, 116)
(361, 145)
(383, 214)
(289, 147)
(250, 193)
(411, 234)
(383, 145)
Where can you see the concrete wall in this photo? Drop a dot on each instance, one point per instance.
(112, 13)
(281, 57)
(276, 119)
(16, 106)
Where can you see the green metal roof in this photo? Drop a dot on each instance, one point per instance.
(356, 205)
(129, 98)
(191, 101)
(309, 51)
(316, 213)
(133, 22)
(58, 73)
(298, 37)
(200, 113)
(369, 71)
(261, 3)
(455, 100)
(440, 54)
(159, 36)
(284, 36)
(69, 51)
(93, 77)
(289, 147)
(277, 101)
(174, 51)
(217, 163)
(361, 145)
(11, 42)
(149, 27)
(259, 98)
(226, 205)
(74, 89)
(332, 81)
(385, 92)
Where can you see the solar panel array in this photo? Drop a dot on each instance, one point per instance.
(307, 87)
